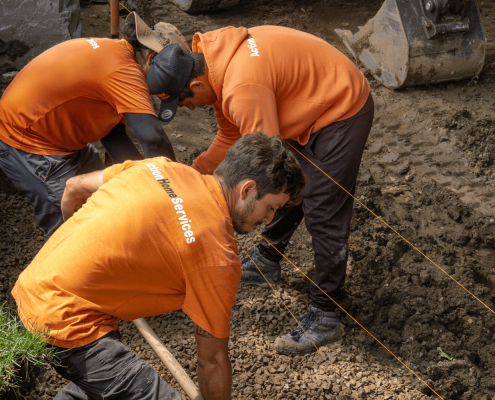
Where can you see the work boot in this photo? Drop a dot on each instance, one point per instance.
(251, 275)
(322, 327)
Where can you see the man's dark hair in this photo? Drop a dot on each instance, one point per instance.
(199, 69)
(128, 32)
(268, 162)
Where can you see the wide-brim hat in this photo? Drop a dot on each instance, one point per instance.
(162, 34)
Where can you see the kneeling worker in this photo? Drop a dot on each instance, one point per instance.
(152, 236)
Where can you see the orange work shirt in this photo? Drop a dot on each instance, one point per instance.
(276, 80)
(72, 94)
(155, 237)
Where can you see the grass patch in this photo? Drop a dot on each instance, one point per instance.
(19, 347)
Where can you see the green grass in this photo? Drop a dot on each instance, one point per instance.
(19, 346)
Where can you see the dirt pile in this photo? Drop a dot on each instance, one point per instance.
(412, 305)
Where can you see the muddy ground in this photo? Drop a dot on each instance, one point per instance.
(428, 171)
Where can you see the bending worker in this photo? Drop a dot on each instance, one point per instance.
(144, 245)
(295, 85)
(73, 94)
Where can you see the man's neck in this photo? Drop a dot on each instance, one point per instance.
(141, 57)
(209, 84)
(229, 195)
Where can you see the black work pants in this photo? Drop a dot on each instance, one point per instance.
(108, 369)
(42, 179)
(336, 149)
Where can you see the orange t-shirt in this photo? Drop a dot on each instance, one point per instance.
(155, 237)
(71, 95)
(276, 80)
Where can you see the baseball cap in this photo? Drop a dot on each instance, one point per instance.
(171, 67)
(156, 39)
(168, 74)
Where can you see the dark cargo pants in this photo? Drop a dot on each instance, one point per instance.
(108, 369)
(42, 178)
(336, 149)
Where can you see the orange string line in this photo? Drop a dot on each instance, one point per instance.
(287, 308)
(350, 316)
(125, 7)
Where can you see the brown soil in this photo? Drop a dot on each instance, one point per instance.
(428, 171)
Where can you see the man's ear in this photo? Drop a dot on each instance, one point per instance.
(196, 84)
(150, 57)
(247, 188)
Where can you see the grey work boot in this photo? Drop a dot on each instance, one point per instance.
(322, 327)
(251, 274)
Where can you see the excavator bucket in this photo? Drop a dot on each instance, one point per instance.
(197, 6)
(417, 42)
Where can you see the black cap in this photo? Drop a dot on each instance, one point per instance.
(168, 74)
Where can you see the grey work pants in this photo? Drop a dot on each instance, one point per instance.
(42, 178)
(336, 149)
(108, 369)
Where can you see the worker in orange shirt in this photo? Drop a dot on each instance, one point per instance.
(141, 244)
(293, 85)
(76, 93)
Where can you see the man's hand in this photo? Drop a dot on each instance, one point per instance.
(214, 369)
(77, 190)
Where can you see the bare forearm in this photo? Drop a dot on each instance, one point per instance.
(77, 191)
(214, 369)
(215, 381)
(69, 207)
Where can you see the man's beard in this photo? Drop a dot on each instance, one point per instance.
(239, 217)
